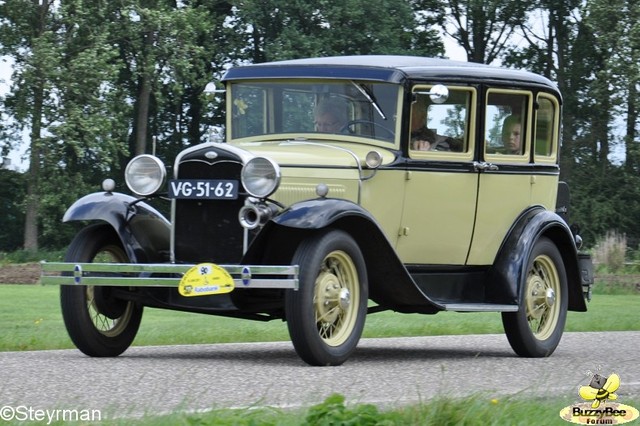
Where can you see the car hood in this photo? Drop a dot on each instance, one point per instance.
(294, 153)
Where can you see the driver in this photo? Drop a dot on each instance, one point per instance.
(330, 115)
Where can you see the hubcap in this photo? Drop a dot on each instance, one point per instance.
(345, 298)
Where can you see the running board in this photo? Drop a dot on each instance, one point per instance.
(478, 307)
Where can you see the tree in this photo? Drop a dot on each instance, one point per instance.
(169, 52)
(28, 35)
(279, 29)
(619, 46)
(62, 92)
(482, 28)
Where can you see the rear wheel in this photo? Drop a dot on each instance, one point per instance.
(98, 323)
(535, 330)
(326, 315)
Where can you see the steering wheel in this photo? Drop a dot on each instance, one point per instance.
(350, 123)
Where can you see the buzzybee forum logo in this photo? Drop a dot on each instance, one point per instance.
(599, 408)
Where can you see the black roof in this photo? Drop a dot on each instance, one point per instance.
(387, 68)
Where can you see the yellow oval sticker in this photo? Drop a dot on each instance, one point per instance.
(205, 279)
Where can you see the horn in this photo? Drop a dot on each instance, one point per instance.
(249, 216)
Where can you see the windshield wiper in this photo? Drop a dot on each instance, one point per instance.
(362, 89)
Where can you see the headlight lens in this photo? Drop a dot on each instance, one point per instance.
(260, 177)
(145, 174)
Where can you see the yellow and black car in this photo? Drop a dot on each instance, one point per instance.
(344, 186)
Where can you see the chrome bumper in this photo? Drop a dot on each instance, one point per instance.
(162, 274)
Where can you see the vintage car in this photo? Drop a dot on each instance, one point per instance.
(345, 186)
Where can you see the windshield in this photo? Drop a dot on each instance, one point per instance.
(354, 108)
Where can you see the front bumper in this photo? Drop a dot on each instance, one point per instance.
(163, 275)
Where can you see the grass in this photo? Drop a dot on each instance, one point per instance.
(476, 410)
(30, 319)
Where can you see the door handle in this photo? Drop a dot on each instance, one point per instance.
(481, 166)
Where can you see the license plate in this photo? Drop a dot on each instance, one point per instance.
(208, 189)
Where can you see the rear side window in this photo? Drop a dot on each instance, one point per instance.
(546, 128)
(507, 131)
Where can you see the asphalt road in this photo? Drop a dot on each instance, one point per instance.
(386, 372)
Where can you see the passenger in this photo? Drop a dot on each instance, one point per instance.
(423, 138)
(512, 135)
(330, 116)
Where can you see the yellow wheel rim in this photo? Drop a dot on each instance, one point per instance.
(336, 298)
(542, 297)
(105, 325)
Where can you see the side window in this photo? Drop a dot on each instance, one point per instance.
(506, 130)
(546, 128)
(441, 127)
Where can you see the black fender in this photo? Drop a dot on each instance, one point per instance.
(143, 231)
(390, 284)
(508, 273)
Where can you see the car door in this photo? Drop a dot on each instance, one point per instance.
(440, 183)
(506, 178)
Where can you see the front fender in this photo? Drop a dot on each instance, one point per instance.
(510, 267)
(390, 284)
(143, 231)
(320, 213)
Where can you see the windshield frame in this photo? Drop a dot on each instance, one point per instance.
(368, 101)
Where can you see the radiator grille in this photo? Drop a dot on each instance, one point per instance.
(208, 231)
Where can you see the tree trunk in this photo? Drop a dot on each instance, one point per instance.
(143, 116)
(632, 160)
(33, 176)
(144, 96)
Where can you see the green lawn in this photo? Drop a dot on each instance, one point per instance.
(30, 319)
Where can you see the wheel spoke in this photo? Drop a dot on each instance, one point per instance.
(322, 319)
(334, 285)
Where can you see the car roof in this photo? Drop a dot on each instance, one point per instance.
(387, 68)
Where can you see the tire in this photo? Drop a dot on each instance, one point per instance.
(326, 315)
(535, 330)
(99, 324)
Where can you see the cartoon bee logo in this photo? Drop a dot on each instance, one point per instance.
(600, 389)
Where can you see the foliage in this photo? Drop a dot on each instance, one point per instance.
(12, 187)
(610, 251)
(96, 82)
(477, 409)
(28, 256)
(277, 29)
(333, 412)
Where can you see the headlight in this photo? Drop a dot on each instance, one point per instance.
(145, 174)
(260, 177)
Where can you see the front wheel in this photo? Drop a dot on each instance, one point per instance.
(98, 322)
(326, 315)
(535, 330)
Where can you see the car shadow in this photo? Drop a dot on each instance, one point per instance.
(282, 353)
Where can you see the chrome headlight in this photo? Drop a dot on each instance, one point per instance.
(145, 174)
(260, 177)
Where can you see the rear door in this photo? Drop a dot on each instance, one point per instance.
(514, 174)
